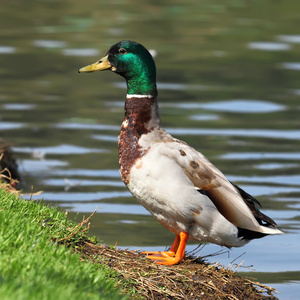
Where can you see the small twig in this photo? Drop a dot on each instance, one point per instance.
(79, 226)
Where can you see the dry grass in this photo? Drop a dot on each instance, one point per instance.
(191, 279)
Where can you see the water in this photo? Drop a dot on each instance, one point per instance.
(228, 79)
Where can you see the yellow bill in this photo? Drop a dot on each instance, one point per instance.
(100, 65)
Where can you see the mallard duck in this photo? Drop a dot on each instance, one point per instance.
(178, 185)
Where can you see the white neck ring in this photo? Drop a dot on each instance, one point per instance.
(139, 96)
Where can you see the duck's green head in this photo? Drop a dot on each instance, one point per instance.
(132, 61)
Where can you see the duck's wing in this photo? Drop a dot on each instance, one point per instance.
(232, 202)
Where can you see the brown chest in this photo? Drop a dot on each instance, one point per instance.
(129, 151)
(138, 114)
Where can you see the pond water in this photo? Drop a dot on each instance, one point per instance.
(228, 79)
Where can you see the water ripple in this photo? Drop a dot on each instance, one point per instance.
(263, 133)
(262, 155)
(109, 173)
(42, 165)
(7, 49)
(269, 46)
(274, 166)
(82, 182)
(10, 125)
(107, 138)
(81, 52)
(60, 149)
(49, 44)
(79, 197)
(294, 39)
(295, 66)
(204, 117)
(282, 179)
(86, 126)
(235, 106)
(18, 106)
(260, 190)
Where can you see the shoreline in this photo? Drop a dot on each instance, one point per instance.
(33, 233)
(130, 271)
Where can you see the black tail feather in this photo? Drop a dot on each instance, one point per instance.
(246, 234)
(254, 205)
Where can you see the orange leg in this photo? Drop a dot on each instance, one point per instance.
(176, 253)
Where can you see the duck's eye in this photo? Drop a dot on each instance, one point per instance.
(122, 51)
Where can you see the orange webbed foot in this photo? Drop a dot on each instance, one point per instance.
(159, 253)
(172, 257)
(163, 259)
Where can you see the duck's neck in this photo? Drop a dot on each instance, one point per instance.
(141, 78)
(141, 101)
(141, 86)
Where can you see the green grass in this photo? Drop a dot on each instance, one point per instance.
(32, 266)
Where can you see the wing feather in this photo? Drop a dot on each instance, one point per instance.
(230, 200)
